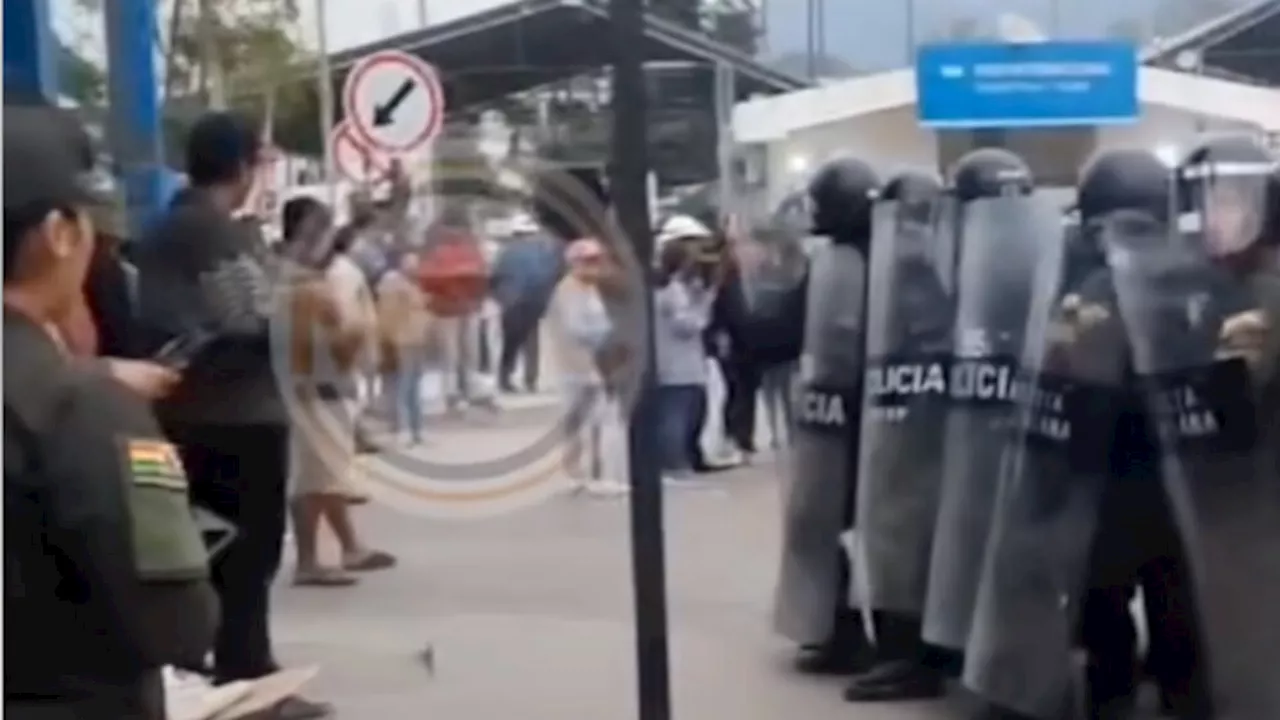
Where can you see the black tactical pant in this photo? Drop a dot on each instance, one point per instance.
(94, 700)
(240, 472)
(1138, 545)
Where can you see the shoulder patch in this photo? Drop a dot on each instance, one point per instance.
(155, 462)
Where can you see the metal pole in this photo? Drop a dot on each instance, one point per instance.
(133, 118)
(811, 58)
(911, 32)
(325, 90)
(725, 94)
(30, 51)
(422, 13)
(630, 166)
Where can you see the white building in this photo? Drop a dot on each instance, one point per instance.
(874, 118)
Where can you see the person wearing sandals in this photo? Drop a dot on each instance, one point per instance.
(322, 352)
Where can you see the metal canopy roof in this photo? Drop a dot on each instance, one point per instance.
(1243, 45)
(528, 43)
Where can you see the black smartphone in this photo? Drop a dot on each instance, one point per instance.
(178, 353)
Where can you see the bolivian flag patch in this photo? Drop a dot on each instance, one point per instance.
(155, 463)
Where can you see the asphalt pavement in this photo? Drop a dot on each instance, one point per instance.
(528, 614)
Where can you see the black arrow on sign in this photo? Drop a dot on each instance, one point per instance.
(384, 113)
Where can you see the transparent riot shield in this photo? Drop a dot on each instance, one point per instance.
(1205, 343)
(909, 317)
(1001, 242)
(1049, 489)
(811, 592)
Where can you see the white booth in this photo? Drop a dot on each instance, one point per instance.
(780, 138)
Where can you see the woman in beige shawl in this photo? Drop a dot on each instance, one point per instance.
(324, 344)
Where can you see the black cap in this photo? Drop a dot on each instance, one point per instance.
(46, 163)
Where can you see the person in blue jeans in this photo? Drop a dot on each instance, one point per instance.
(403, 321)
(682, 311)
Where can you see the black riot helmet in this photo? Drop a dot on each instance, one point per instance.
(1229, 195)
(1125, 180)
(917, 195)
(990, 172)
(842, 193)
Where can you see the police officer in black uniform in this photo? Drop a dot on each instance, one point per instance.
(1137, 543)
(812, 603)
(1202, 314)
(101, 552)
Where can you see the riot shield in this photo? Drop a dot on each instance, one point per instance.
(1205, 344)
(1001, 241)
(908, 343)
(1049, 490)
(818, 506)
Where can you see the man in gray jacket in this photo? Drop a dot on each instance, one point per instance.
(201, 273)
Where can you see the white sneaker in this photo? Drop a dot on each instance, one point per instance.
(727, 456)
(684, 481)
(607, 488)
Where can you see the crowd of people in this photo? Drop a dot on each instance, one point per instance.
(200, 364)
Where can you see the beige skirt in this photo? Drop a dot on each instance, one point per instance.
(323, 439)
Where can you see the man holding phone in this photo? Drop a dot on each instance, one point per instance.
(199, 270)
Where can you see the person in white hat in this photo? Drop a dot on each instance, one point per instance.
(579, 322)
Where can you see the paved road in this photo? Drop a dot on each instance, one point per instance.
(530, 613)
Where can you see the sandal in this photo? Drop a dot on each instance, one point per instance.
(369, 560)
(323, 577)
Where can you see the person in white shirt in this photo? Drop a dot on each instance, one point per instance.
(580, 325)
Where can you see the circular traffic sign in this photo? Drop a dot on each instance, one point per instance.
(394, 102)
(354, 160)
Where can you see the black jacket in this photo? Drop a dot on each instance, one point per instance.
(109, 298)
(74, 608)
(200, 271)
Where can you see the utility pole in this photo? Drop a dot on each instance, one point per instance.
(325, 90)
(630, 169)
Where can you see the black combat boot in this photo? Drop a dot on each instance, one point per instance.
(847, 653)
(902, 672)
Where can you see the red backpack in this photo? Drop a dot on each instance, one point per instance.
(453, 274)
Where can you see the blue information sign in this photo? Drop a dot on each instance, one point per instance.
(1027, 85)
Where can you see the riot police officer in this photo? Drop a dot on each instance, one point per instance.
(1203, 316)
(1003, 228)
(1136, 541)
(908, 343)
(811, 604)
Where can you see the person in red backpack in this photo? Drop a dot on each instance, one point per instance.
(454, 276)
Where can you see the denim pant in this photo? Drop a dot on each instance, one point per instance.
(404, 393)
(677, 411)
